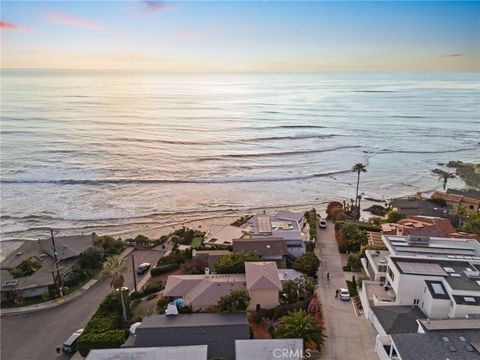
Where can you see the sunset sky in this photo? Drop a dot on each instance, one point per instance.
(241, 36)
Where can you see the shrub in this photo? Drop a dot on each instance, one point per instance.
(162, 269)
(92, 258)
(308, 264)
(332, 208)
(393, 216)
(376, 221)
(150, 297)
(100, 322)
(17, 272)
(110, 245)
(76, 276)
(175, 257)
(354, 262)
(352, 287)
(113, 303)
(237, 300)
(107, 340)
(310, 246)
(235, 263)
(378, 210)
(162, 304)
(353, 236)
(369, 227)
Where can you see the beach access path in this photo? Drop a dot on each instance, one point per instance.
(35, 335)
(347, 336)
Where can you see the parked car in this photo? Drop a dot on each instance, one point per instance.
(322, 224)
(344, 294)
(70, 345)
(143, 268)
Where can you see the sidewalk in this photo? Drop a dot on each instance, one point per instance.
(347, 336)
(57, 302)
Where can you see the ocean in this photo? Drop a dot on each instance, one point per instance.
(108, 151)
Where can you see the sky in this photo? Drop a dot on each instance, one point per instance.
(254, 36)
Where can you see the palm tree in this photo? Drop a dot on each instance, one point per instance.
(114, 266)
(445, 176)
(299, 324)
(358, 168)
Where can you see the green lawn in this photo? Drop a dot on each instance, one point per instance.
(197, 241)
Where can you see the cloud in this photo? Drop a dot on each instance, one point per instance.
(452, 55)
(62, 18)
(11, 26)
(187, 34)
(151, 5)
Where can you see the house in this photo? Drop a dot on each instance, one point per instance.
(223, 234)
(424, 226)
(270, 349)
(261, 280)
(453, 339)
(418, 206)
(194, 352)
(218, 331)
(268, 248)
(203, 291)
(396, 319)
(209, 257)
(67, 246)
(69, 249)
(263, 285)
(285, 225)
(438, 275)
(453, 201)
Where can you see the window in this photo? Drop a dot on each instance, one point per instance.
(390, 272)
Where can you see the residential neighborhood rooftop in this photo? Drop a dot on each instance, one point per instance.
(268, 349)
(262, 276)
(196, 319)
(398, 319)
(193, 352)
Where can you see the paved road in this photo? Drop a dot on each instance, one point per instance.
(36, 335)
(348, 336)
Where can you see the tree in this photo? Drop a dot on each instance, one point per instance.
(237, 300)
(358, 168)
(110, 245)
(299, 324)
(353, 262)
(92, 258)
(114, 266)
(393, 216)
(307, 264)
(472, 224)
(462, 212)
(353, 236)
(235, 263)
(444, 176)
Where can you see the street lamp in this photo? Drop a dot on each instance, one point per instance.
(55, 260)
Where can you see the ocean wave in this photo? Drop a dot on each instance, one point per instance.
(95, 182)
(279, 153)
(374, 91)
(390, 151)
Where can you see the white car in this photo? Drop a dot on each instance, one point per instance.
(344, 294)
(322, 224)
(69, 346)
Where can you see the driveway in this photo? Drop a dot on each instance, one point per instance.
(348, 337)
(36, 335)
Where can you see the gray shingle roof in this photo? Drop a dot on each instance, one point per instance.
(67, 246)
(398, 319)
(267, 246)
(432, 345)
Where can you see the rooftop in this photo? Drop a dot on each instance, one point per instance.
(379, 257)
(456, 199)
(460, 275)
(398, 319)
(196, 319)
(435, 345)
(67, 246)
(264, 246)
(264, 349)
(223, 234)
(262, 276)
(450, 324)
(195, 352)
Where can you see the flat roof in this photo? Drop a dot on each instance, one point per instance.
(193, 352)
(196, 319)
(452, 271)
(450, 324)
(264, 224)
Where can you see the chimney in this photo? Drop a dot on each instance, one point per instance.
(194, 253)
(207, 271)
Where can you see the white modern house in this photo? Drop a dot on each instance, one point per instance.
(437, 276)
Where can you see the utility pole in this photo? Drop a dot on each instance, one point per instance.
(60, 282)
(134, 273)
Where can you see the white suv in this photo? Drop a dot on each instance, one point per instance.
(344, 294)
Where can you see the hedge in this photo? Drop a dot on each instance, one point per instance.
(105, 340)
(102, 322)
(158, 270)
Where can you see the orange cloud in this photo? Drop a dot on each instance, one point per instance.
(62, 18)
(11, 26)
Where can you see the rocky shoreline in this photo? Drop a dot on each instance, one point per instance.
(470, 173)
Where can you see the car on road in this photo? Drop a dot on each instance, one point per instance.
(143, 268)
(322, 224)
(344, 294)
(70, 345)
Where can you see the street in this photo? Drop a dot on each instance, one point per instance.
(347, 336)
(36, 335)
